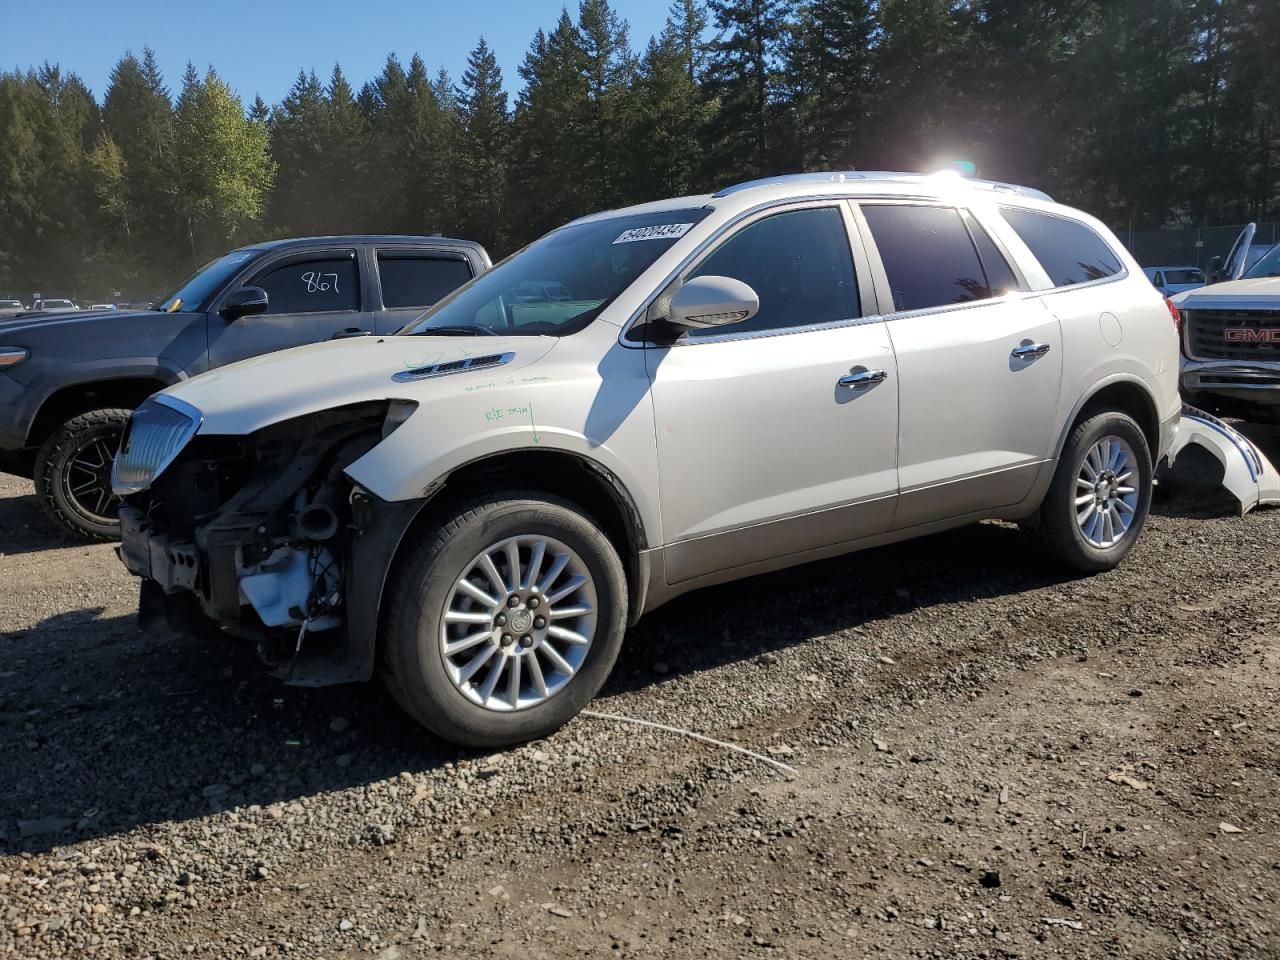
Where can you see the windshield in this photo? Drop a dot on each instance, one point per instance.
(560, 283)
(190, 295)
(1268, 266)
(1183, 276)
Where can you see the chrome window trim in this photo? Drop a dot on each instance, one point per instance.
(779, 332)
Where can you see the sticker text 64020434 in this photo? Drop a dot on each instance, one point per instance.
(659, 231)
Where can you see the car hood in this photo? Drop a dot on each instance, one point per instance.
(243, 397)
(66, 320)
(1256, 293)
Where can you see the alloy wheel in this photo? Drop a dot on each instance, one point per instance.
(1106, 494)
(86, 481)
(519, 623)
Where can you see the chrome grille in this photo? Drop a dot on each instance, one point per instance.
(156, 434)
(1233, 334)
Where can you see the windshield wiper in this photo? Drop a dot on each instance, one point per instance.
(455, 330)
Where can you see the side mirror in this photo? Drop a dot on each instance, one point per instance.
(244, 302)
(1213, 268)
(712, 302)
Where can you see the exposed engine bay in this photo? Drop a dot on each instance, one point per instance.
(257, 534)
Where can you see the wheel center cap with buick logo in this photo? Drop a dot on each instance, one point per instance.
(521, 621)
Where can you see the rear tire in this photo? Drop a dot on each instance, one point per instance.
(469, 696)
(1100, 495)
(72, 474)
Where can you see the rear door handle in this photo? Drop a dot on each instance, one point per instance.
(1029, 350)
(862, 378)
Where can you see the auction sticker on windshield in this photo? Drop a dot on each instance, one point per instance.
(659, 231)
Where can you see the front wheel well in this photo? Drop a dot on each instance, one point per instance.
(71, 401)
(1129, 398)
(581, 481)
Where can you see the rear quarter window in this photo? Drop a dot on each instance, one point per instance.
(419, 281)
(1069, 251)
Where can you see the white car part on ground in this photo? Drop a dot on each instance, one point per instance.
(1246, 472)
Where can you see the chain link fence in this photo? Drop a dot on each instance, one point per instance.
(1190, 246)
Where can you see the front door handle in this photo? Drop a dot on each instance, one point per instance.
(862, 378)
(1029, 350)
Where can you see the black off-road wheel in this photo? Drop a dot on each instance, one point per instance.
(1098, 501)
(73, 474)
(505, 620)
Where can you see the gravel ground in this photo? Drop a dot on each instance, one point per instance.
(992, 761)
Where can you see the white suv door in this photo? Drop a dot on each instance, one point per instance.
(778, 435)
(979, 372)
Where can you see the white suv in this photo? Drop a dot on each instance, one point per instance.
(643, 402)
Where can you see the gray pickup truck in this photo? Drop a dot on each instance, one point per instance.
(68, 381)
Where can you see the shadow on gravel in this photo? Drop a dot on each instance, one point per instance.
(25, 529)
(738, 621)
(104, 728)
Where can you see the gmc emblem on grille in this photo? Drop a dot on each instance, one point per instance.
(1252, 334)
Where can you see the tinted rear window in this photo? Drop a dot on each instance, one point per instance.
(417, 281)
(1069, 251)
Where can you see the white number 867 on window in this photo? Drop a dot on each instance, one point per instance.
(316, 282)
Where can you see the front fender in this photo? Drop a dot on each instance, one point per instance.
(54, 379)
(606, 421)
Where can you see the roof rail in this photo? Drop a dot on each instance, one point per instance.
(847, 175)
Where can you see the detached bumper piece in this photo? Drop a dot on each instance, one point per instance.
(1246, 472)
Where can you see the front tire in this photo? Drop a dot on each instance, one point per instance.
(72, 474)
(1100, 495)
(505, 621)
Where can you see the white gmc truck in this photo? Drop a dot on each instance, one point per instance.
(1231, 337)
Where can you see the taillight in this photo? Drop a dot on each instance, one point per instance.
(1173, 312)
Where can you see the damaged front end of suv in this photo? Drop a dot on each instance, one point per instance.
(262, 535)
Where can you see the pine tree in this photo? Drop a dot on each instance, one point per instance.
(484, 141)
(670, 118)
(686, 24)
(224, 169)
(919, 93)
(548, 152)
(608, 67)
(21, 119)
(829, 78)
(138, 116)
(260, 112)
(299, 204)
(65, 213)
(342, 177)
(743, 76)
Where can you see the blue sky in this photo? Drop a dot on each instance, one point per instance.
(259, 46)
